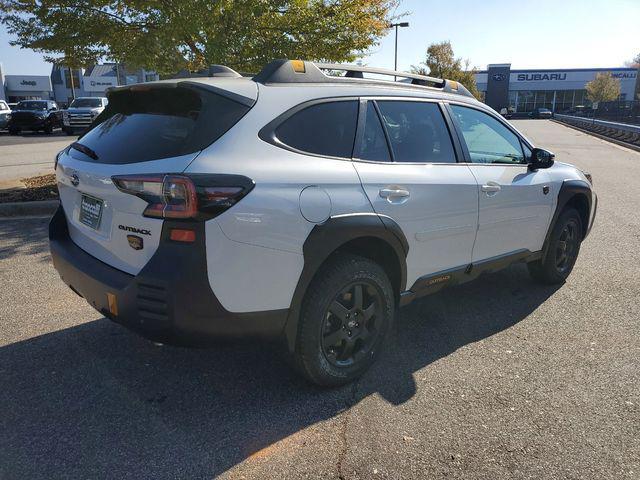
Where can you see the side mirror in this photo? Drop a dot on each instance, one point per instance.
(540, 158)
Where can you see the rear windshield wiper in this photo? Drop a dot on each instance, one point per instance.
(84, 149)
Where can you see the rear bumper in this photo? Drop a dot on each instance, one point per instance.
(169, 301)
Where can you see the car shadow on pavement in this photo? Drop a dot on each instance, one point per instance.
(23, 235)
(95, 401)
(57, 132)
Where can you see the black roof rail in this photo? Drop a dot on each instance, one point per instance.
(299, 71)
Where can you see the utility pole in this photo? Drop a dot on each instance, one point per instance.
(395, 58)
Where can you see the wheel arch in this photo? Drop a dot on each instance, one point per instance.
(576, 194)
(582, 204)
(372, 236)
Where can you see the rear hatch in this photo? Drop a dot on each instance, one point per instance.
(147, 131)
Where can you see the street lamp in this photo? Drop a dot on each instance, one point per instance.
(395, 59)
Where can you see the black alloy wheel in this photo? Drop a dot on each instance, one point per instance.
(567, 246)
(350, 328)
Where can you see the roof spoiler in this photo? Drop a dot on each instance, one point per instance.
(299, 71)
(184, 83)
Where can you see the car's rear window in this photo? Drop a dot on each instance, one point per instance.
(323, 129)
(159, 122)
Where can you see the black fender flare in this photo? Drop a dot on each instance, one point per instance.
(568, 190)
(324, 239)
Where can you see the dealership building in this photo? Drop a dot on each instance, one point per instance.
(559, 90)
(86, 82)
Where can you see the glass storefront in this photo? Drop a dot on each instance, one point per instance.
(555, 100)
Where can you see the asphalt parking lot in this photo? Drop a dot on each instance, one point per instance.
(500, 378)
(28, 154)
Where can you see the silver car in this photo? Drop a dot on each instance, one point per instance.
(5, 114)
(303, 206)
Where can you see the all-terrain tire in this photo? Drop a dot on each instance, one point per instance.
(562, 252)
(362, 332)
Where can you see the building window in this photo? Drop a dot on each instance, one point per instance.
(555, 100)
(512, 101)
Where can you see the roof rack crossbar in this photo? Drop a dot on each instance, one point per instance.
(353, 70)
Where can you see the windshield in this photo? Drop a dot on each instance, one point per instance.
(86, 103)
(32, 106)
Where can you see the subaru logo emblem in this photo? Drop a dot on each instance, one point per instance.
(498, 77)
(75, 180)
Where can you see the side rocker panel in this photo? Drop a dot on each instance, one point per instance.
(328, 237)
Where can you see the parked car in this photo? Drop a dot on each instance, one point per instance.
(34, 115)
(81, 113)
(541, 113)
(506, 113)
(4, 114)
(303, 205)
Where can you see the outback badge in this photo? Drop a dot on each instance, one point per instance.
(135, 242)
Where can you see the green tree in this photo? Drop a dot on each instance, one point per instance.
(603, 88)
(441, 62)
(635, 63)
(169, 35)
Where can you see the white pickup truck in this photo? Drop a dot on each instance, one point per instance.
(81, 114)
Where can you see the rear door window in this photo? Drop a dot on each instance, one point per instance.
(161, 122)
(326, 129)
(417, 132)
(373, 146)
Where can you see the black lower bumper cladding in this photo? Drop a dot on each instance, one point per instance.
(169, 301)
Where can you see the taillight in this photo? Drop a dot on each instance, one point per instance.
(184, 196)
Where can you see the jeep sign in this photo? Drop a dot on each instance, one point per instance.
(28, 83)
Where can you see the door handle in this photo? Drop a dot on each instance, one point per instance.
(394, 193)
(491, 187)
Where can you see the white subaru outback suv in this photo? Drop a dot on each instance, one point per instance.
(303, 205)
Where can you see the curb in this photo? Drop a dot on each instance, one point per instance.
(26, 209)
(600, 136)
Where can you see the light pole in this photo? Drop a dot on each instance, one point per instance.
(395, 58)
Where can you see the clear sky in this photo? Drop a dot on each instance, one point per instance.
(525, 33)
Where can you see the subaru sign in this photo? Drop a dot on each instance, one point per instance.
(536, 77)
